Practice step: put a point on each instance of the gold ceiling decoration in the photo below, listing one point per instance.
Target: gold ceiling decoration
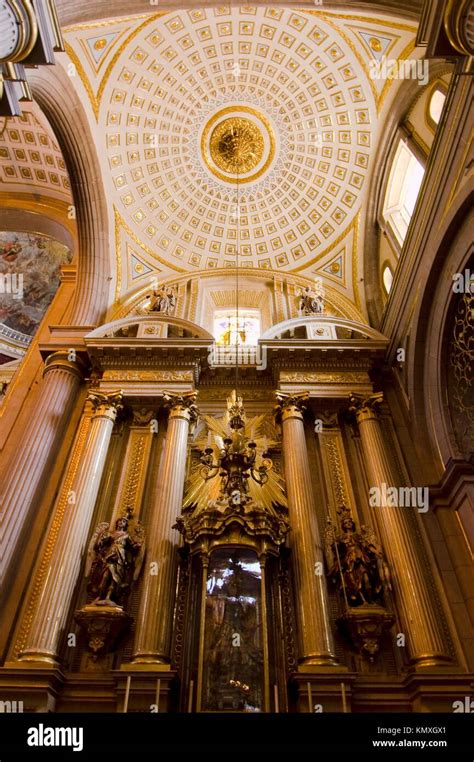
(238, 144)
(186, 98)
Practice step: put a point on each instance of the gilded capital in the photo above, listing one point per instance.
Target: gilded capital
(364, 407)
(290, 405)
(106, 404)
(182, 405)
(68, 360)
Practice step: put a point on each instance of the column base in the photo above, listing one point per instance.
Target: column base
(152, 667)
(31, 687)
(42, 658)
(152, 658)
(318, 660)
(431, 662)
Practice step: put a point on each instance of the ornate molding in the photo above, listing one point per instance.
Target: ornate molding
(217, 394)
(337, 472)
(181, 609)
(132, 494)
(102, 626)
(234, 519)
(297, 377)
(364, 628)
(288, 619)
(149, 375)
(459, 376)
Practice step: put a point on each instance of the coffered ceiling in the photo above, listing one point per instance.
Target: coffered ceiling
(253, 122)
(30, 158)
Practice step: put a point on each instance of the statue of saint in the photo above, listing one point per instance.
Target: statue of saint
(356, 562)
(114, 562)
(312, 299)
(163, 300)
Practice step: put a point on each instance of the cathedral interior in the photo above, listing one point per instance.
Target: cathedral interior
(236, 345)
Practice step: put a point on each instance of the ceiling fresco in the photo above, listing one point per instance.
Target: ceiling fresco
(30, 272)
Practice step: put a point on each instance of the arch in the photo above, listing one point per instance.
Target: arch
(427, 363)
(363, 331)
(402, 100)
(109, 329)
(93, 10)
(336, 300)
(62, 106)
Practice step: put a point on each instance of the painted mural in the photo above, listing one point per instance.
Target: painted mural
(29, 277)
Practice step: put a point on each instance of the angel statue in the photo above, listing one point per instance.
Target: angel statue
(312, 299)
(163, 300)
(114, 562)
(356, 562)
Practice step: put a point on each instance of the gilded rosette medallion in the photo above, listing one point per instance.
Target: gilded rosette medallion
(238, 144)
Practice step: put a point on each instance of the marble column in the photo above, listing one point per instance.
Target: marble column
(316, 645)
(61, 578)
(155, 616)
(36, 450)
(419, 613)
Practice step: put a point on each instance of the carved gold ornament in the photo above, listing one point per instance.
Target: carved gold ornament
(238, 144)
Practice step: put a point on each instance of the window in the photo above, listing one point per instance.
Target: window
(402, 191)
(387, 277)
(243, 330)
(436, 104)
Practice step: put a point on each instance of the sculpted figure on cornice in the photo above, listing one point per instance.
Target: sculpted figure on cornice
(311, 300)
(163, 300)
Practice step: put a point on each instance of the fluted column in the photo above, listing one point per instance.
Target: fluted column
(61, 577)
(316, 645)
(418, 612)
(36, 450)
(155, 616)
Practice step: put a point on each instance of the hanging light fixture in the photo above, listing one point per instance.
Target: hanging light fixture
(237, 459)
(236, 462)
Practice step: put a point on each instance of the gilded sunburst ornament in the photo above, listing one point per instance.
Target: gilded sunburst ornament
(236, 145)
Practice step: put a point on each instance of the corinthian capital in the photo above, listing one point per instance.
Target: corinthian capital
(104, 401)
(179, 404)
(362, 406)
(287, 403)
